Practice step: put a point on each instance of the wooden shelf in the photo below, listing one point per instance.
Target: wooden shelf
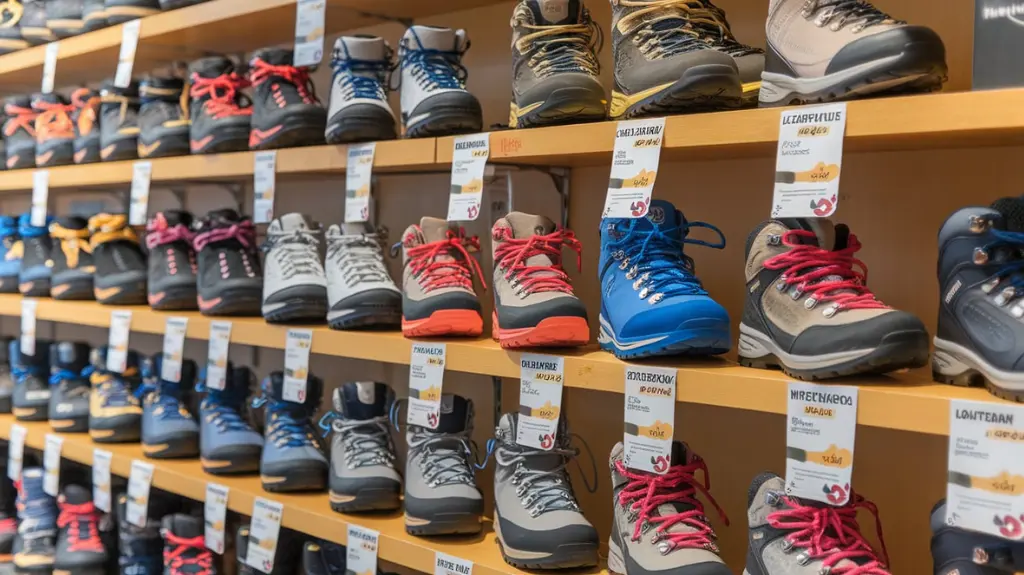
(907, 402)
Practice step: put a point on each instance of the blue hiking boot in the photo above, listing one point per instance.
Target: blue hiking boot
(69, 386)
(34, 546)
(31, 400)
(115, 415)
(959, 552)
(168, 428)
(228, 443)
(140, 548)
(11, 250)
(79, 548)
(292, 457)
(651, 301)
(34, 275)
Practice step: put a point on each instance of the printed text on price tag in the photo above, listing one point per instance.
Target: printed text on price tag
(139, 482)
(361, 554)
(217, 360)
(263, 534)
(263, 186)
(469, 162)
(809, 159)
(540, 400)
(358, 179)
(126, 59)
(28, 326)
(634, 168)
(296, 364)
(117, 343)
(174, 348)
(215, 512)
(51, 464)
(101, 480)
(650, 417)
(309, 32)
(426, 379)
(40, 197)
(16, 452)
(50, 66)
(142, 175)
(821, 428)
(445, 564)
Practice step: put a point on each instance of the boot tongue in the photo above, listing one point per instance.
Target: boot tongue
(356, 228)
(274, 56)
(823, 229)
(77, 495)
(361, 400)
(295, 221)
(225, 218)
(1012, 210)
(70, 356)
(525, 225)
(662, 216)
(275, 390)
(455, 414)
(362, 47)
(555, 12)
(434, 229)
(432, 38)
(211, 67)
(175, 217)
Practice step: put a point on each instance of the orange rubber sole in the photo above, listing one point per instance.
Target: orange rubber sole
(464, 322)
(562, 331)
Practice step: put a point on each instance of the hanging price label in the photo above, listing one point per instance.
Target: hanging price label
(117, 344)
(174, 348)
(263, 534)
(822, 426)
(358, 178)
(540, 400)
(101, 480)
(16, 452)
(264, 180)
(50, 66)
(142, 174)
(426, 378)
(126, 59)
(469, 162)
(296, 364)
(309, 31)
(445, 564)
(634, 168)
(217, 360)
(808, 162)
(650, 416)
(40, 197)
(215, 513)
(28, 326)
(51, 464)
(361, 551)
(139, 481)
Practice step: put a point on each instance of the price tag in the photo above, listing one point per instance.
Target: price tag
(808, 162)
(142, 175)
(215, 513)
(217, 361)
(650, 415)
(101, 480)
(40, 195)
(426, 378)
(16, 452)
(50, 66)
(985, 485)
(634, 168)
(296, 364)
(819, 441)
(28, 326)
(445, 564)
(263, 186)
(309, 31)
(469, 161)
(263, 534)
(51, 464)
(358, 176)
(361, 551)
(117, 344)
(126, 59)
(540, 399)
(139, 480)
(174, 348)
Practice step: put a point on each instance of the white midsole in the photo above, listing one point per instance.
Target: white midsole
(776, 87)
(952, 359)
(607, 334)
(754, 345)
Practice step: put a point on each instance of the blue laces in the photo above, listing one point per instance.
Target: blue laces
(27, 230)
(8, 228)
(654, 259)
(66, 374)
(288, 425)
(167, 396)
(23, 372)
(361, 86)
(442, 68)
(1011, 266)
(225, 407)
(115, 392)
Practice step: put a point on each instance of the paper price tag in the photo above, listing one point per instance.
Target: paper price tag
(634, 168)
(28, 326)
(358, 177)
(126, 59)
(361, 551)
(174, 348)
(139, 481)
(51, 464)
(426, 379)
(16, 452)
(101, 480)
(217, 361)
(50, 66)
(142, 175)
(40, 195)
(985, 485)
(445, 564)
(808, 162)
(650, 416)
(264, 181)
(822, 426)
(296, 364)
(469, 162)
(263, 534)
(120, 331)
(215, 511)
(540, 399)
(309, 31)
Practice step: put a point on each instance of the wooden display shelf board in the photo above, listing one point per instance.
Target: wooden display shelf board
(908, 402)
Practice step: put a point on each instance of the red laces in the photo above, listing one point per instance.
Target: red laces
(813, 270)
(513, 254)
(262, 71)
(8, 525)
(175, 559)
(72, 517)
(647, 491)
(19, 117)
(832, 535)
(446, 263)
(223, 91)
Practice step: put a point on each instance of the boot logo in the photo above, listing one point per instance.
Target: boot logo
(952, 291)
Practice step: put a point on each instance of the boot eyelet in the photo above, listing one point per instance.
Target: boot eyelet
(977, 224)
(810, 302)
(1004, 296)
(980, 256)
(644, 292)
(990, 285)
(830, 310)
(781, 284)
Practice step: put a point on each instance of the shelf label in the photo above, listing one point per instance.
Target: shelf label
(650, 417)
(101, 480)
(174, 348)
(264, 168)
(16, 451)
(217, 360)
(540, 399)
(469, 162)
(40, 197)
(215, 512)
(309, 31)
(445, 564)
(51, 464)
(296, 364)
(139, 481)
(28, 326)
(117, 344)
(142, 175)
(808, 161)
(426, 378)
(985, 485)
(361, 550)
(822, 426)
(50, 66)
(358, 178)
(635, 162)
(263, 534)
(126, 58)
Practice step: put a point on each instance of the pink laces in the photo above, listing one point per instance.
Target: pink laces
(244, 232)
(158, 233)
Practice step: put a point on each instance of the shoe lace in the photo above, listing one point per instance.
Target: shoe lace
(447, 458)
(223, 408)
(830, 276)
(110, 228)
(433, 69)
(72, 242)
(113, 390)
(832, 535)
(10, 13)
(82, 521)
(361, 78)
(446, 263)
(839, 13)
(366, 442)
(84, 101)
(158, 233)
(184, 552)
(360, 254)
(562, 48)
(646, 492)
(19, 117)
(542, 490)
(165, 396)
(1005, 249)
(66, 377)
(295, 251)
(261, 71)
(243, 232)
(21, 373)
(123, 102)
(288, 425)
(225, 94)
(512, 255)
(715, 23)
(26, 230)
(664, 28)
(54, 120)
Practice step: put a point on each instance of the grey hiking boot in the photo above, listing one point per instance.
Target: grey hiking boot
(790, 536)
(441, 496)
(119, 122)
(294, 281)
(537, 519)
(363, 475)
(659, 526)
(70, 389)
(163, 122)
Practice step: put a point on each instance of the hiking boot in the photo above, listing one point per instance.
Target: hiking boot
(6, 389)
(121, 11)
(8, 513)
(284, 563)
(71, 254)
(441, 496)
(363, 475)
(171, 276)
(64, 17)
(749, 60)
(230, 277)
(437, 281)
(120, 264)
(31, 398)
(286, 112)
(11, 250)
(141, 548)
(295, 285)
(554, 65)
(961, 552)
(658, 524)
(221, 115)
(360, 291)
(34, 275)
(34, 546)
(809, 310)
(537, 519)
(292, 458)
(33, 23)
(115, 415)
(359, 91)
(69, 387)
(534, 304)
(163, 125)
(79, 549)
(323, 558)
(55, 133)
(11, 40)
(86, 118)
(119, 122)
(94, 15)
(228, 443)
(20, 132)
(791, 535)
(185, 551)
(168, 429)
(434, 98)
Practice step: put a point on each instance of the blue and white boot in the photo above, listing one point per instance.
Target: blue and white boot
(359, 109)
(228, 443)
(168, 429)
(435, 101)
(292, 457)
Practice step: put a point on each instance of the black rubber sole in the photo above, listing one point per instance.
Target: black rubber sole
(87, 154)
(243, 463)
(5, 404)
(130, 294)
(565, 106)
(292, 135)
(221, 141)
(448, 121)
(164, 147)
(701, 89)
(179, 298)
(570, 556)
(366, 500)
(127, 149)
(125, 434)
(59, 155)
(974, 378)
(9, 284)
(69, 425)
(347, 130)
(898, 350)
(299, 478)
(72, 290)
(176, 448)
(31, 412)
(298, 310)
(21, 160)
(444, 524)
(247, 302)
(35, 288)
(368, 319)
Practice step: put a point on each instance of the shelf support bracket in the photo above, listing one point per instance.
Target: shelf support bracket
(496, 386)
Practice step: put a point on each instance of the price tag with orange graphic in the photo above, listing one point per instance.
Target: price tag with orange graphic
(49, 67)
(263, 186)
(16, 452)
(138, 209)
(28, 326)
(985, 483)
(101, 479)
(139, 481)
(426, 379)
(808, 162)
(51, 464)
(40, 197)
(361, 550)
(469, 163)
(822, 426)
(445, 564)
(263, 534)
(117, 341)
(650, 415)
(540, 399)
(358, 178)
(126, 58)
(296, 364)
(215, 511)
(634, 168)
(309, 31)
(217, 359)
(174, 348)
